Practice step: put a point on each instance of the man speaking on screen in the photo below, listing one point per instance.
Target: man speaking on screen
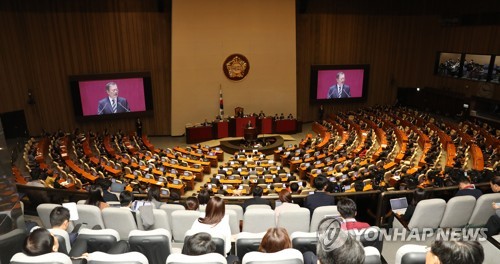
(339, 90)
(112, 104)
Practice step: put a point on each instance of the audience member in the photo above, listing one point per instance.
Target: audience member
(106, 194)
(493, 224)
(95, 197)
(192, 203)
(320, 197)
(199, 244)
(59, 219)
(348, 210)
(40, 242)
(275, 239)
(257, 198)
(286, 203)
(215, 221)
(154, 196)
(455, 252)
(466, 188)
(126, 199)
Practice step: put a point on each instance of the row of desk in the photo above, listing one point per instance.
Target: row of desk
(235, 128)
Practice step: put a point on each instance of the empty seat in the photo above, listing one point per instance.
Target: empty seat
(182, 220)
(11, 243)
(369, 237)
(458, 211)
(160, 220)
(154, 244)
(63, 238)
(119, 219)
(125, 258)
(247, 242)
(258, 220)
(89, 216)
(258, 206)
(49, 258)
(210, 258)
(295, 220)
(483, 209)
(320, 213)
(95, 240)
(411, 254)
(237, 208)
(285, 256)
(428, 214)
(234, 223)
(372, 256)
(169, 208)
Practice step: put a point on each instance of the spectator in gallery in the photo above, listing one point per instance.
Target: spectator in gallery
(275, 239)
(466, 188)
(319, 197)
(348, 210)
(96, 197)
(257, 198)
(455, 252)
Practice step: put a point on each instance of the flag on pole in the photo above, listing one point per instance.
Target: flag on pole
(221, 103)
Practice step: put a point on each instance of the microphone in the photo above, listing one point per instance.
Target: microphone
(348, 95)
(102, 110)
(126, 109)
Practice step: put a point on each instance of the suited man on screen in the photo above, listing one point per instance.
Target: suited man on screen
(112, 104)
(339, 90)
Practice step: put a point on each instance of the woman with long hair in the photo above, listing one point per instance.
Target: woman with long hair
(287, 204)
(96, 197)
(215, 221)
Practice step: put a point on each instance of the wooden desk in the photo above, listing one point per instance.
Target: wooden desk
(197, 172)
(79, 171)
(221, 129)
(237, 125)
(199, 134)
(285, 126)
(265, 125)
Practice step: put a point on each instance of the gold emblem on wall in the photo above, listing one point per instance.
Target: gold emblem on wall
(236, 67)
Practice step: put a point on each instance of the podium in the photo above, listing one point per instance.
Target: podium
(251, 133)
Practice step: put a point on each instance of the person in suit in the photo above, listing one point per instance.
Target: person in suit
(112, 104)
(466, 188)
(339, 90)
(320, 197)
(348, 210)
(257, 198)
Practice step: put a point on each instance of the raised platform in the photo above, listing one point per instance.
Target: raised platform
(264, 144)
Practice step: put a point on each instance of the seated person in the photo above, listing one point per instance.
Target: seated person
(40, 242)
(275, 239)
(348, 210)
(287, 204)
(455, 252)
(493, 224)
(126, 199)
(320, 197)
(96, 197)
(418, 195)
(466, 188)
(192, 203)
(199, 244)
(257, 198)
(59, 219)
(328, 252)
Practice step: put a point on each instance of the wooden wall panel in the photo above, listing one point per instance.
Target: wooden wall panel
(400, 49)
(46, 41)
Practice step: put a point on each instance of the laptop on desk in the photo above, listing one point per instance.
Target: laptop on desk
(399, 205)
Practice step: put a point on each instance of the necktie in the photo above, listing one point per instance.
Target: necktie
(113, 105)
(340, 91)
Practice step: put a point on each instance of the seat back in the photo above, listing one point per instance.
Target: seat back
(11, 243)
(285, 256)
(428, 214)
(119, 219)
(411, 254)
(154, 244)
(258, 220)
(210, 258)
(43, 211)
(89, 216)
(234, 223)
(372, 256)
(237, 208)
(304, 241)
(483, 209)
(296, 220)
(258, 206)
(125, 258)
(169, 208)
(458, 211)
(50, 258)
(63, 239)
(320, 213)
(182, 220)
(160, 218)
(97, 240)
(247, 242)
(369, 237)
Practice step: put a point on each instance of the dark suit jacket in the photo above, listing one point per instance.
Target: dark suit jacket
(474, 192)
(255, 200)
(318, 199)
(109, 197)
(104, 106)
(333, 92)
